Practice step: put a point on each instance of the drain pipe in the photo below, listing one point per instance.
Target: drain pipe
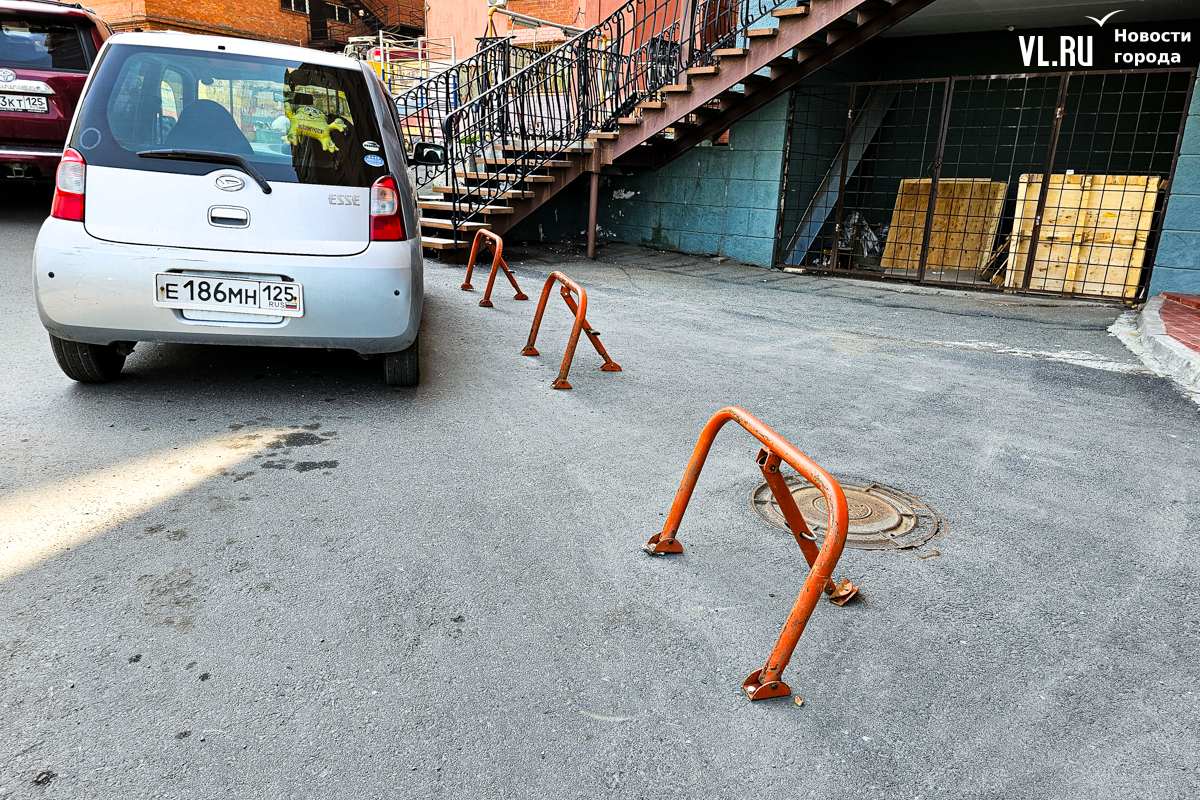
(593, 197)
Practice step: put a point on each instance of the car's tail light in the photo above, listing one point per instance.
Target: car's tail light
(68, 187)
(387, 224)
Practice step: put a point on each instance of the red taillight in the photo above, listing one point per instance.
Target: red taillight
(387, 224)
(68, 187)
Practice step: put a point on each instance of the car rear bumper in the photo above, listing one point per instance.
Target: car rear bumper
(44, 158)
(103, 292)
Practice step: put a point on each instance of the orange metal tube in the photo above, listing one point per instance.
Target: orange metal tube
(769, 462)
(767, 682)
(581, 325)
(496, 245)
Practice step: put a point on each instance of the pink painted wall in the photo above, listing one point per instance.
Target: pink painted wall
(599, 9)
(465, 20)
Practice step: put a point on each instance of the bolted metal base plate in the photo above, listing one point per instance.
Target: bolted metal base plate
(755, 689)
(881, 518)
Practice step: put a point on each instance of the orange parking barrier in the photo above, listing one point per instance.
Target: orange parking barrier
(768, 682)
(496, 245)
(581, 324)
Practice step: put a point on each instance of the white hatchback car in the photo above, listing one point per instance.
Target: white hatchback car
(224, 191)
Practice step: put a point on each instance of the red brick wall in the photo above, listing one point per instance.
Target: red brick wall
(250, 19)
(564, 12)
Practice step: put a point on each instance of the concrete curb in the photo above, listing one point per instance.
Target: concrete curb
(1158, 351)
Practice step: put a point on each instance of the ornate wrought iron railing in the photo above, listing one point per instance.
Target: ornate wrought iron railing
(721, 24)
(423, 107)
(514, 129)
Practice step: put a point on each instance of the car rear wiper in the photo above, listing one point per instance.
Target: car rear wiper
(211, 157)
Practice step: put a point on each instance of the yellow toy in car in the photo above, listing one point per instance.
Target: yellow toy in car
(311, 122)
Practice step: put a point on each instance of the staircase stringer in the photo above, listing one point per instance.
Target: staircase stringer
(580, 164)
(793, 32)
(786, 79)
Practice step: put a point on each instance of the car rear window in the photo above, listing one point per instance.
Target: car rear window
(52, 43)
(297, 122)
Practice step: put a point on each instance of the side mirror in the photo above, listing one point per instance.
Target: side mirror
(429, 154)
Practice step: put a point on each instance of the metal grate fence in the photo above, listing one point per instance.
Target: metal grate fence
(944, 181)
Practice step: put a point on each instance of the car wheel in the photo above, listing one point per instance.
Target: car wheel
(403, 368)
(88, 363)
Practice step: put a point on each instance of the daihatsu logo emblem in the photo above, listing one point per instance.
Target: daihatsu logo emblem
(7, 75)
(230, 183)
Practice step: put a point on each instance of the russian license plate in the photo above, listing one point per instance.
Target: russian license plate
(24, 102)
(209, 293)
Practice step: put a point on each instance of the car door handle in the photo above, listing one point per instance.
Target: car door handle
(228, 217)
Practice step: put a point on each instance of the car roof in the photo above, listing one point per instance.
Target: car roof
(48, 7)
(241, 47)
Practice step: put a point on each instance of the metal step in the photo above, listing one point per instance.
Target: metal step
(837, 30)
(798, 11)
(496, 176)
(755, 80)
(448, 224)
(437, 243)
(481, 191)
(504, 162)
(546, 148)
(444, 205)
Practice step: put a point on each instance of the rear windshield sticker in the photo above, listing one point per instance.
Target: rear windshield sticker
(374, 160)
(311, 122)
(371, 147)
(89, 138)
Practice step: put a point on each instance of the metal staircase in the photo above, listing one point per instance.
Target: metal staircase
(378, 15)
(366, 17)
(654, 79)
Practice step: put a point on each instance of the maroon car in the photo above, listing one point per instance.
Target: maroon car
(46, 50)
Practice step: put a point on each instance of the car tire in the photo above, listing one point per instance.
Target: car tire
(403, 368)
(87, 363)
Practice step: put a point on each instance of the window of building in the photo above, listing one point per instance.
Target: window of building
(335, 12)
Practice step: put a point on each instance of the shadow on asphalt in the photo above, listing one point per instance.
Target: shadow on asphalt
(248, 370)
(22, 201)
(242, 371)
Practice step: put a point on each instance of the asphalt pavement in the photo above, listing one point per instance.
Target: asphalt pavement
(242, 572)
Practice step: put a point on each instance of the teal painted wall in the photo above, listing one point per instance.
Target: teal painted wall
(717, 200)
(1177, 264)
(711, 200)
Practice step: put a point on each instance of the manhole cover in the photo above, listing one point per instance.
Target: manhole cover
(881, 518)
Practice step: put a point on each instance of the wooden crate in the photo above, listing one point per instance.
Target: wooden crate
(966, 217)
(1093, 237)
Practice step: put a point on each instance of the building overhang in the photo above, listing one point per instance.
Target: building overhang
(970, 16)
